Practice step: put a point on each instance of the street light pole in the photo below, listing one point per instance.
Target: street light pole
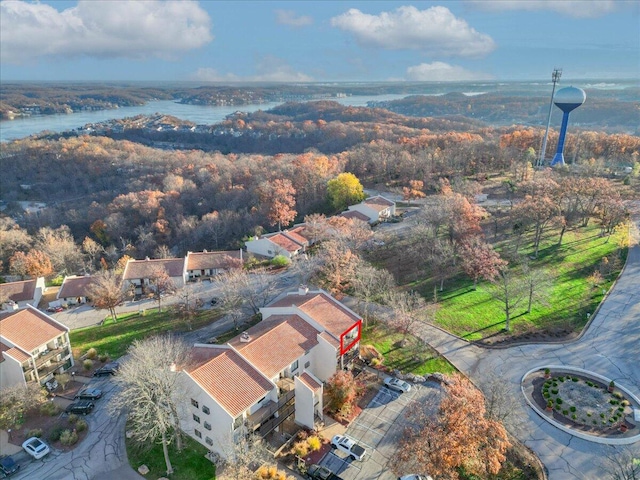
(555, 77)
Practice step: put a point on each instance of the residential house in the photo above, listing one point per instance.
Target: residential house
(288, 243)
(33, 347)
(376, 208)
(272, 372)
(75, 290)
(138, 274)
(16, 295)
(207, 264)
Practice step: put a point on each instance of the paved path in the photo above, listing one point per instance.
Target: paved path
(610, 346)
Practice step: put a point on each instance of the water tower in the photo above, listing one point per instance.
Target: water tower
(567, 99)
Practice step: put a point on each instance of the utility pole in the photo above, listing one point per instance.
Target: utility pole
(555, 77)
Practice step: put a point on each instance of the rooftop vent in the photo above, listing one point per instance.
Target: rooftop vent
(245, 338)
(303, 290)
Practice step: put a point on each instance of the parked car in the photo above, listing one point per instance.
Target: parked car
(214, 301)
(348, 446)
(8, 466)
(397, 385)
(318, 472)
(83, 406)
(108, 369)
(36, 447)
(415, 477)
(55, 309)
(89, 394)
(51, 385)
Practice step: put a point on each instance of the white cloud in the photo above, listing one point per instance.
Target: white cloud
(288, 17)
(435, 30)
(571, 8)
(102, 29)
(269, 69)
(443, 72)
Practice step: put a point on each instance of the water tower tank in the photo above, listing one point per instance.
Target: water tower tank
(567, 99)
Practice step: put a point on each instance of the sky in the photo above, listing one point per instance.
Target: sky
(318, 41)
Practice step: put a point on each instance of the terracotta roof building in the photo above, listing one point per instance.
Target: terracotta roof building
(139, 274)
(75, 289)
(207, 264)
(34, 347)
(15, 295)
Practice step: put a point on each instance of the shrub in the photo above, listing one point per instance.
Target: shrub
(574, 416)
(73, 418)
(573, 409)
(625, 403)
(546, 395)
(618, 395)
(54, 435)
(547, 371)
(49, 408)
(87, 364)
(81, 425)
(91, 353)
(302, 435)
(35, 432)
(588, 414)
(621, 409)
(574, 379)
(565, 412)
(68, 437)
(314, 443)
(301, 448)
(280, 261)
(559, 401)
(375, 362)
(554, 391)
(561, 379)
(104, 357)
(602, 415)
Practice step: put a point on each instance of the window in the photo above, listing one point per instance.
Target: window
(294, 366)
(209, 441)
(207, 425)
(205, 409)
(198, 433)
(196, 418)
(307, 364)
(194, 403)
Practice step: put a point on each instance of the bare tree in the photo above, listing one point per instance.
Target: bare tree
(509, 289)
(150, 391)
(243, 455)
(161, 285)
(622, 464)
(106, 291)
(370, 283)
(240, 289)
(18, 399)
(408, 309)
(188, 306)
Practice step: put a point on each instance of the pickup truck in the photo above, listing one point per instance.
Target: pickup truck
(348, 446)
(318, 472)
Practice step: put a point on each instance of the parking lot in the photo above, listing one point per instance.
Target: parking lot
(378, 429)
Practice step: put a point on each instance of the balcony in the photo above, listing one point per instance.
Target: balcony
(284, 406)
(51, 354)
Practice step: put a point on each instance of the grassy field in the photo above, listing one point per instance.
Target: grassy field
(189, 464)
(414, 357)
(569, 296)
(115, 337)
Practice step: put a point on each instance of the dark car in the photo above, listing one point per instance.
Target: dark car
(108, 369)
(83, 406)
(89, 394)
(8, 466)
(317, 472)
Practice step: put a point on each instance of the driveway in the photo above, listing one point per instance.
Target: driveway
(100, 455)
(378, 429)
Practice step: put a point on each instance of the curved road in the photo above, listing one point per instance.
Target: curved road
(610, 346)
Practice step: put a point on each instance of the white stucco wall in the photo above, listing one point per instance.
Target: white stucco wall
(304, 404)
(265, 247)
(11, 372)
(365, 210)
(323, 360)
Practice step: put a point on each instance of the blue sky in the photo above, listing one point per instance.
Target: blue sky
(318, 41)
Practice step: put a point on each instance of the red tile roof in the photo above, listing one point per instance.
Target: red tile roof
(18, 291)
(332, 340)
(17, 353)
(75, 286)
(145, 268)
(285, 242)
(210, 260)
(296, 237)
(355, 215)
(310, 382)
(228, 378)
(288, 335)
(379, 200)
(324, 309)
(29, 328)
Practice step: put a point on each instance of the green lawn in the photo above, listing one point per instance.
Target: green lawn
(569, 297)
(189, 464)
(115, 337)
(414, 357)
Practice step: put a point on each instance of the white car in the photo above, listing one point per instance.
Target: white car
(36, 447)
(348, 446)
(397, 385)
(415, 477)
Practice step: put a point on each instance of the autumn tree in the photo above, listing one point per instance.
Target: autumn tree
(34, 264)
(161, 285)
(369, 284)
(243, 455)
(344, 190)
(479, 260)
(58, 244)
(151, 392)
(279, 201)
(107, 292)
(413, 191)
(337, 265)
(92, 250)
(17, 400)
(455, 434)
(536, 212)
(342, 391)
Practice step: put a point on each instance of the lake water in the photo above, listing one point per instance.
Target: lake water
(22, 127)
